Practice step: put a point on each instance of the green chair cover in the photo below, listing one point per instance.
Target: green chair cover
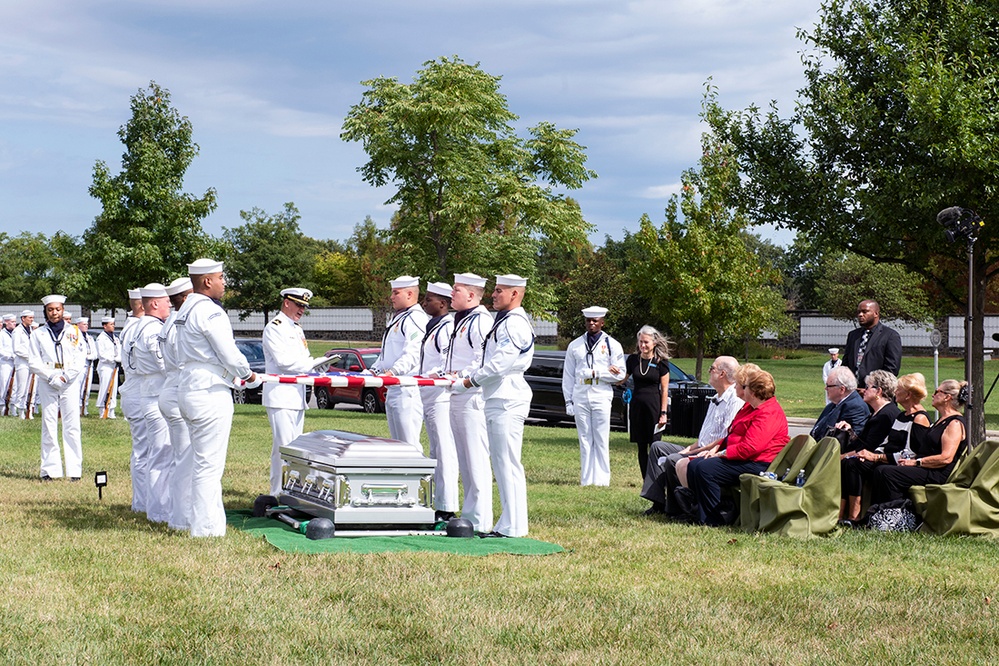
(969, 502)
(787, 464)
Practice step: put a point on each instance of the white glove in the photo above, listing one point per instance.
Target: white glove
(322, 360)
(58, 382)
(366, 372)
(254, 383)
(569, 409)
(459, 386)
(586, 373)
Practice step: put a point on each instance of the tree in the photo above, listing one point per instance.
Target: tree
(700, 275)
(849, 279)
(600, 280)
(472, 195)
(30, 267)
(897, 121)
(148, 230)
(267, 253)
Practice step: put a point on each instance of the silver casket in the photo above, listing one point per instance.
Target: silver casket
(355, 479)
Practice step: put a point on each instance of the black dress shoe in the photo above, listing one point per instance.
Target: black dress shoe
(656, 509)
(74, 479)
(46, 478)
(685, 499)
(443, 516)
(492, 535)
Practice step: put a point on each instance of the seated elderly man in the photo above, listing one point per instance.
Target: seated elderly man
(660, 476)
(757, 435)
(845, 404)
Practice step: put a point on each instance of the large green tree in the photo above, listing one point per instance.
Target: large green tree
(266, 254)
(700, 274)
(31, 266)
(896, 122)
(148, 229)
(472, 195)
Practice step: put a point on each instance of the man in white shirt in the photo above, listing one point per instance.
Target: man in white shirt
(400, 356)
(108, 359)
(211, 364)
(7, 365)
(508, 352)
(660, 478)
(56, 357)
(834, 362)
(286, 352)
(594, 362)
(436, 400)
(131, 407)
(169, 403)
(472, 322)
(86, 383)
(22, 373)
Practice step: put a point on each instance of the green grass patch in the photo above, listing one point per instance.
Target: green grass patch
(88, 581)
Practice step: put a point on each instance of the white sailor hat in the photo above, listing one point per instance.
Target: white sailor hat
(27, 313)
(510, 280)
(9, 317)
(594, 312)
(82, 320)
(107, 320)
(204, 267)
(404, 281)
(471, 279)
(153, 290)
(134, 294)
(179, 286)
(297, 295)
(439, 288)
(834, 350)
(53, 298)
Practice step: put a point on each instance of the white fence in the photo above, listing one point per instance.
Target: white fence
(826, 331)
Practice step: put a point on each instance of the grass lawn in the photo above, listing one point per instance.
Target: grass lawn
(88, 581)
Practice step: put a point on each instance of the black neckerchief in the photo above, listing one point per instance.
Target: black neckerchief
(591, 343)
(57, 327)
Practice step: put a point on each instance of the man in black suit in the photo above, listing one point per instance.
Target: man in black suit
(845, 404)
(873, 346)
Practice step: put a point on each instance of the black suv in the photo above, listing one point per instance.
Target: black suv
(545, 379)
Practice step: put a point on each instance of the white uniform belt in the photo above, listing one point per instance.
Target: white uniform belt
(217, 370)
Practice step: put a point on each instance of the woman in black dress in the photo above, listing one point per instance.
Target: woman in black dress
(649, 367)
(937, 448)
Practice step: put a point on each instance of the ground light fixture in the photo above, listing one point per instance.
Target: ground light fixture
(100, 480)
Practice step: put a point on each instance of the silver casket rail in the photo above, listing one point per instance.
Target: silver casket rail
(358, 480)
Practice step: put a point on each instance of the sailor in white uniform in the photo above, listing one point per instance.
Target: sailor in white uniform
(131, 407)
(108, 358)
(22, 374)
(211, 364)
(436, 400)
(472, 322)
(7, 365)
(83, 323)
(146, 366)
(169, 402)
(286, 352)
(56, 357)
(507, 354)
(594, 362)
(400, 356)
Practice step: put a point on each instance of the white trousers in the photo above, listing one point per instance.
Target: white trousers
(208, 413)
(159, 461)
(6, 381)
(286, 425)
(593, 428)
(468, 424)
(54, 402)
(85, 384)
(22, 377)
(131, 408)
(404, 411)
(107, 374)
(437, 419)
(505, 427)
(180, 445)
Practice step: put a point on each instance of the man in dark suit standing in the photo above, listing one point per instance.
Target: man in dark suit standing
(873, 346)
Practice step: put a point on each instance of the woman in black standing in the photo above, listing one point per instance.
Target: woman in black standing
(649, 368)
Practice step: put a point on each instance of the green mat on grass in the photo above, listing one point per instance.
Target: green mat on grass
(285, 539)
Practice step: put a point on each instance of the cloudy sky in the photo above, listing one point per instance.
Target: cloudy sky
(267, 85)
